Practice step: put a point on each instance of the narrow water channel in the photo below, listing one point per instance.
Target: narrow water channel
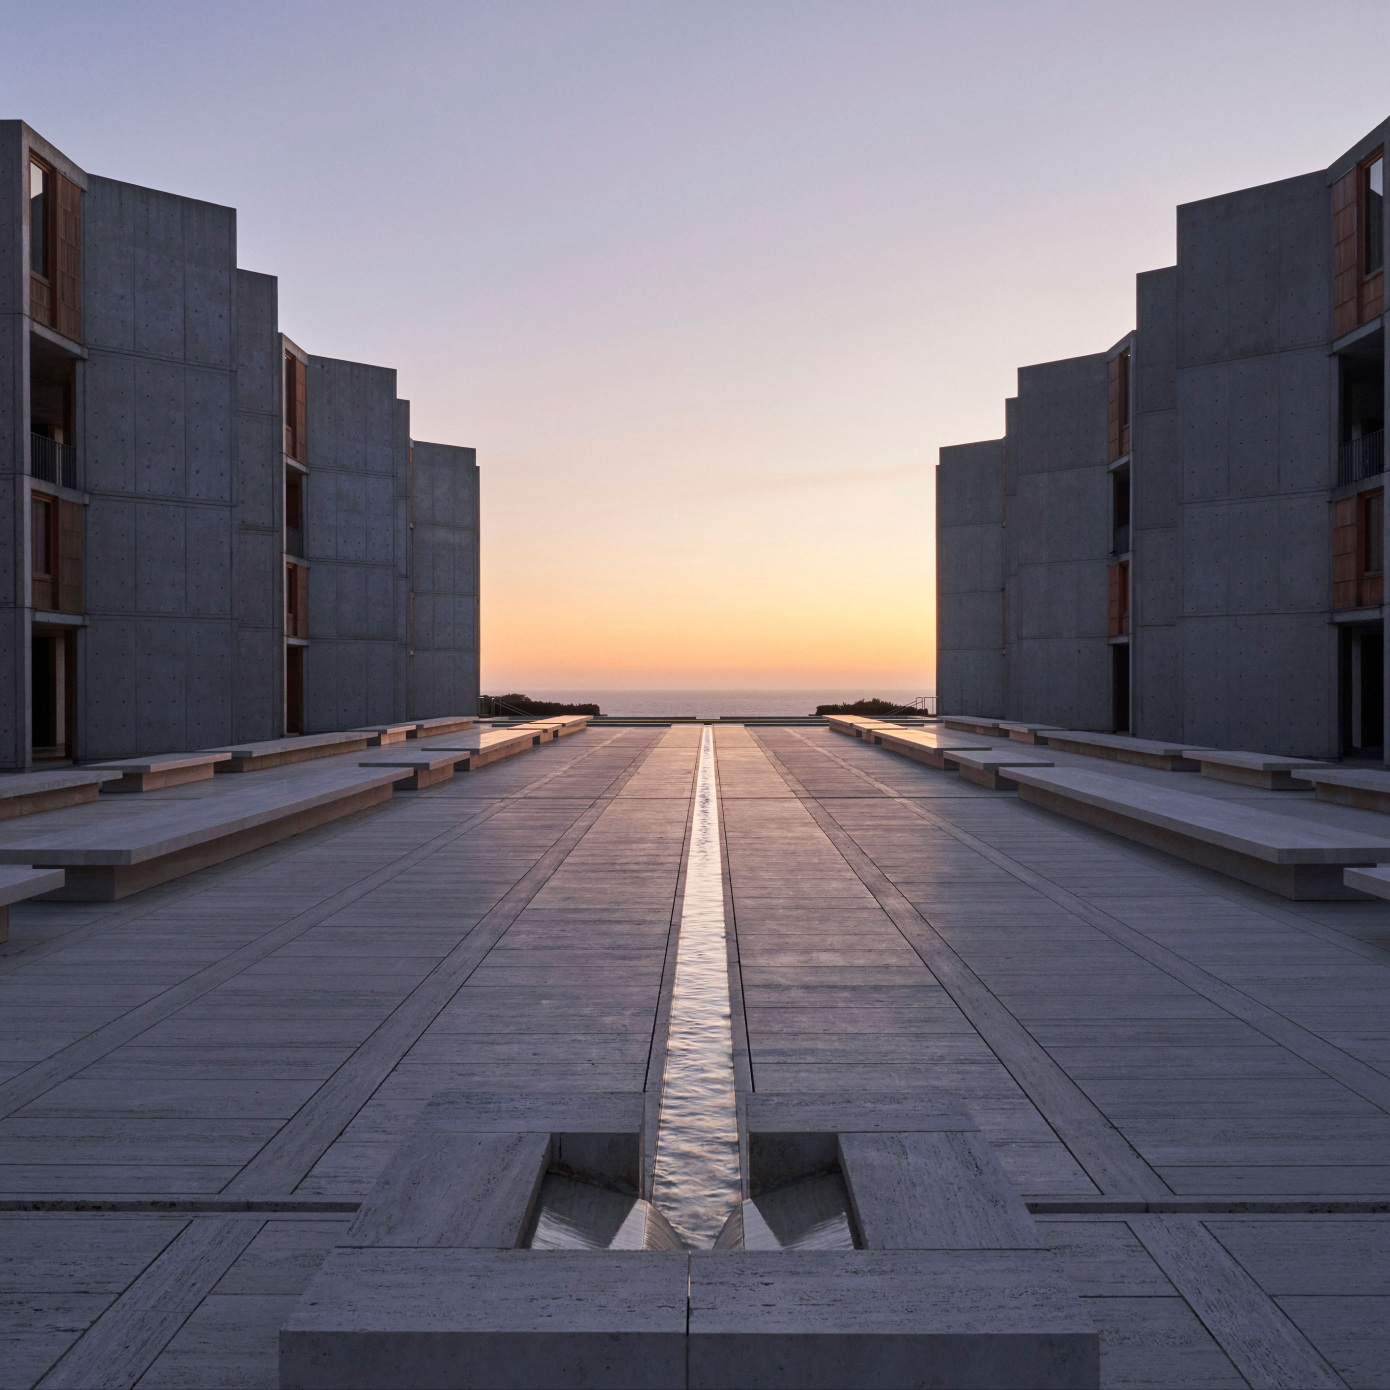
(696, 1178)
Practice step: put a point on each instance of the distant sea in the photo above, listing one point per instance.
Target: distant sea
(704, 704)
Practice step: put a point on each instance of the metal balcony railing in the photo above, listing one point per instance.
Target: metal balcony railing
(51, 461)
(1361, 458)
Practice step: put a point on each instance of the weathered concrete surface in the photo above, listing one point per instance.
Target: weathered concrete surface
(1124, 1028)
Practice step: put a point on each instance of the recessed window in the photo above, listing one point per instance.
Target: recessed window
(1373, 534)
(1374, 193)
(41, 536)
(38, 218)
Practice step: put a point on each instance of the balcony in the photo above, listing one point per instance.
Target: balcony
(1361, 458)
(52, 462)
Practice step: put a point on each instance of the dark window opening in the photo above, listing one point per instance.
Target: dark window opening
(294, 511)
(1373, 534)
(294, 690)
(1362, 425)
(39, 203)
(294, 408)
(1373, 199)
(1119, 405)
(51, 695)
(1361, 690)
(1119, 686)
(1119, 503)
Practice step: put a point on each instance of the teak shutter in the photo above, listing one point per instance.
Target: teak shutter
(67, 274)
(43, 540)
(1344, 553)
(1346, 263)
(302, 581)
(70, 556)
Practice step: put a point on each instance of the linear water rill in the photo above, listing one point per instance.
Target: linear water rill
(696, 1182)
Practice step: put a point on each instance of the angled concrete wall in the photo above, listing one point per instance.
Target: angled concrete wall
(444, 569)
(258, 587)
(1058, 512)
(1255, 438)
(160, 433)
(970, 665)
(1155, 485)
(354, 528)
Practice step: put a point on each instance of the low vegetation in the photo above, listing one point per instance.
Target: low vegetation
(865, 707)
(502, 706)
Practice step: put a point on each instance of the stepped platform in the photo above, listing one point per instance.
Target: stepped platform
(1295, 858)
(17, 884)
(1266, 770)
(1120, 748)
(119, 855)
(31, 793)
(284, 752)
(154, 774)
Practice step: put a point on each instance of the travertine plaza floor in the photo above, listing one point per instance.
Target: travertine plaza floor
(201, 1081)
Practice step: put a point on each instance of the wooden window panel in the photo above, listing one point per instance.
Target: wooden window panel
(295, 412)
(43, 551)
(1344, 576)
(67, 308)
(1372, 300)
(70, 522)
(302, 576)
(1346, 258)
(301, 433)
(40, 301)
(1370, 549)
(1114, 410)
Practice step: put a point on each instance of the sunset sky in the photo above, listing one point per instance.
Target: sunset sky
(706, 284)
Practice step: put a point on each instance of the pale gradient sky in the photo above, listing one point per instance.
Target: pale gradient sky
(706, 284)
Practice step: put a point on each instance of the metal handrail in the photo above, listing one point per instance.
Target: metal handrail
(1361, 458)
(52, 462)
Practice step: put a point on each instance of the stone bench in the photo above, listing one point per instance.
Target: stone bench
(434, 1283)
(382, 735)
(281, 752)
(1120, 748)
(1376, 882)
(119, 855)
(484, 745)
(445, 724)
(993, 769)
(1366, 788)
(968, 724)
(153, 774)
(20, 882)
(1026, 733)
(1267, 770)
(1284, 854)
(931, 746)
(30, 793)
(853, 724)
(424, 768)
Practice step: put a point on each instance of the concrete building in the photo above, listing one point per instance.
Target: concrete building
(1183, 535)
(209, 534)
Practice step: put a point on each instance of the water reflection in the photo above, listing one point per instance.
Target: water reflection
(696, 1179)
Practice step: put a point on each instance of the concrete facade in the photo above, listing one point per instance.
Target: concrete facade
(1209, 567)
(148, 593)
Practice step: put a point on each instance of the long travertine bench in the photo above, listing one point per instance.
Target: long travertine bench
(1284, 854)
(424, 767)
(1267, 770)
(1026, 733)
(1120, 748)
(281, 752)
(20, 882)
(968, 724)
(1366, 788)
(438, 1281)
(1376, 882)
(445, 724)
(30, 793)
(994, 768)
(120, 855)
(933, 747)
(383, 735)
(484, 745)
(855, 725)
(154, 774)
